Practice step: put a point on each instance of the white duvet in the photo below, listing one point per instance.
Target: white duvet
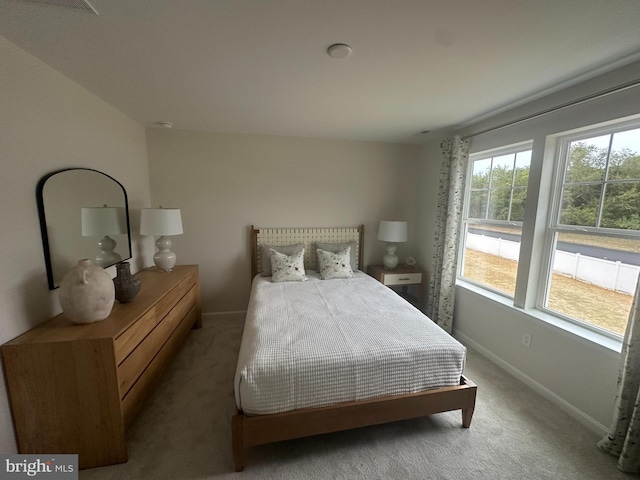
(321, 342)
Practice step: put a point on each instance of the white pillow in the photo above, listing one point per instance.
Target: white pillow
(287, 268)
(335, 265)
(338, 247)
(265, 256)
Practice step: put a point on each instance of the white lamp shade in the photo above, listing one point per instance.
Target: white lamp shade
(160, 221)
(390, 231)
(101, 221)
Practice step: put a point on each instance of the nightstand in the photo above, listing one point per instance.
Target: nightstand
(402, 275)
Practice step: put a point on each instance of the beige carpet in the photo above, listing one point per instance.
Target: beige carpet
(183, 432)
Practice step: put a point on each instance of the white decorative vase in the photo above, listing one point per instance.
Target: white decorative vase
(86, 293)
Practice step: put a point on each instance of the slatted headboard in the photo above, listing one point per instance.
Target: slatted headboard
(307, 236)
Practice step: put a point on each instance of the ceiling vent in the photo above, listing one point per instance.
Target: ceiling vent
(78, 5)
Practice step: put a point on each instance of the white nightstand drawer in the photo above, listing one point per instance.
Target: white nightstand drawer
(402, 278)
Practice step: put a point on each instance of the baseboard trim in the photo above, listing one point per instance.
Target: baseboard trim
(212, 315)
(565, 406)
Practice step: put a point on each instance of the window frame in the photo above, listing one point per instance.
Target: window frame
(465, 221)
(553, 226)
(543, 205)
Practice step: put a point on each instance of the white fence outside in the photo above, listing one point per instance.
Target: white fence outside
(617, 276)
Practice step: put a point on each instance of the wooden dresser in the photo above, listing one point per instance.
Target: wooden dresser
(76, 388)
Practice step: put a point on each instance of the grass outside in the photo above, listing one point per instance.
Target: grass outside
(584, 301)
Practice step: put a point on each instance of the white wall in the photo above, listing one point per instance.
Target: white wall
(47, 122)
(226, 182)
(578, 374)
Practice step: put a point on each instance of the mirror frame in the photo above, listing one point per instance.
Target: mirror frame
(43, 219)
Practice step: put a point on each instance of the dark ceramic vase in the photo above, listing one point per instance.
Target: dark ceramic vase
(127, 285)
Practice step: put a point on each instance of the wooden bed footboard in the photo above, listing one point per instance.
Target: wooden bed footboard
(247, 431)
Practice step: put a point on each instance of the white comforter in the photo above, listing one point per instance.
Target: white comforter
(321, 342)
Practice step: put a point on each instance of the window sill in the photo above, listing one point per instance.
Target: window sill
(591, 336)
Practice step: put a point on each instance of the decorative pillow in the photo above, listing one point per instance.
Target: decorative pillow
(265, 255)
(338, 247)
(335, 265)
(287, 268)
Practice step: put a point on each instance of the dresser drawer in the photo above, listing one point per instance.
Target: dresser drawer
(132, 367)
(132, 337)
(174, 296)
(402, 278)
(134, 399)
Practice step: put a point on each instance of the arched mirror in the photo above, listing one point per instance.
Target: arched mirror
(83, 214)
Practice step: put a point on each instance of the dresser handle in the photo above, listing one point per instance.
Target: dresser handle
(404, 279)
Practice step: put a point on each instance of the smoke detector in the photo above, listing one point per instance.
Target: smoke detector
(339, 50)
(164, 124)
(78, 5)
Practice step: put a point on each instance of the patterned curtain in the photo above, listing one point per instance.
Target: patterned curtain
(623, 439)
(455, 154)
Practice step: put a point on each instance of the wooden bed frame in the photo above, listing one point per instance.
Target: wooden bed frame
(251, 430)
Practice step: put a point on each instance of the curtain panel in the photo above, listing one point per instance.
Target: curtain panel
(623, 439)
(453, 166)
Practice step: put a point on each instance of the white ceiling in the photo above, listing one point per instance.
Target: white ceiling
(260, 66)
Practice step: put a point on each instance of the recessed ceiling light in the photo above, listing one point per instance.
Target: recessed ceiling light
(339, 50)
(164, 124)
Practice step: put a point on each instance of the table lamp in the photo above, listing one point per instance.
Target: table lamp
(163, 222)
(102, 222)
(391, 232)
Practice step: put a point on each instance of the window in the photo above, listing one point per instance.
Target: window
(494, 211)
(590, 235)
(594, 231)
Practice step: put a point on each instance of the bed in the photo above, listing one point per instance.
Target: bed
(320, 356)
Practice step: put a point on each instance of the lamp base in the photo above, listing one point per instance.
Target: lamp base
(107, 256)
(164, 259)
(390, 259)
